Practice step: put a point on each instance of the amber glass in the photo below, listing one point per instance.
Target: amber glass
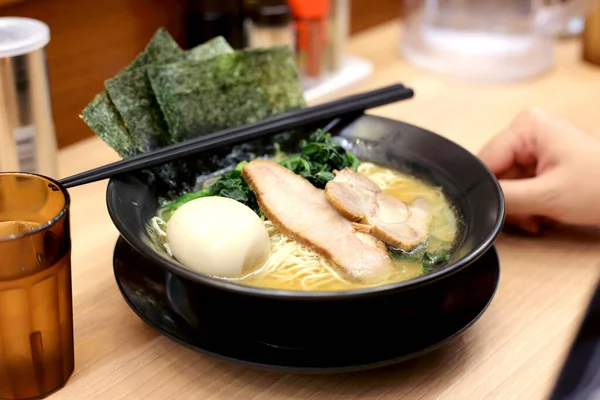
(36, 312)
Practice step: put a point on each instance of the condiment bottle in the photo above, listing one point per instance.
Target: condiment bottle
(207, 19)
(269, 23)
(591, 37)
(27, 137)
(339, 22)
(311, 19)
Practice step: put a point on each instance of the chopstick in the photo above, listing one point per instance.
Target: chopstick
(288, 121)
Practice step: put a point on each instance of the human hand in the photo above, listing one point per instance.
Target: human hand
(548, 169)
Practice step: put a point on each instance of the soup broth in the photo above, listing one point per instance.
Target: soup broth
(293, 266)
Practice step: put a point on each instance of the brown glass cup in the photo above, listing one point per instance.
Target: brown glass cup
(36, 308)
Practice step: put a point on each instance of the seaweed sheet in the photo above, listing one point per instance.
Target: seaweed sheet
(133, 97)
(102, 115)
(131, 94)
(229, 90)
(161, 48)
(214, 47)
(103, 118)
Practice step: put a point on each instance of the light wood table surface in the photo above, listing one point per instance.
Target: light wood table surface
(513, 352)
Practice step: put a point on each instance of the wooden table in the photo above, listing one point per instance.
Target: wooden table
(513, 352)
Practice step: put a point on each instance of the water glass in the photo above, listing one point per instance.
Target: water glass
(491, 40)
(36, 312)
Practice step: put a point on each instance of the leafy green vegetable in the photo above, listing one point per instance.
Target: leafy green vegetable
(230, 185)
(433, 260)
(229, 90)
(320, 156)
(428, 259)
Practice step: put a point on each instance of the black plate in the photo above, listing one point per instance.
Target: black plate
(160, 300)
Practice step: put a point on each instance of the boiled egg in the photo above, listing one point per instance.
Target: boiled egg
(218, 236)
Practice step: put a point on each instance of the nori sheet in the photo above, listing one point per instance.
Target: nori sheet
(133, 96)
(229, 90)
(102, 116)
(214, 47)
(161, 48)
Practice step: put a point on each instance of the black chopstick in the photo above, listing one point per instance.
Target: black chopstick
(281, 123)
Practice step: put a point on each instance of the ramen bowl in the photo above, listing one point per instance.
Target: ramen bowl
(334, 322)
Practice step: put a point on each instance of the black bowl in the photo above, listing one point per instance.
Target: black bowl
(303, 319)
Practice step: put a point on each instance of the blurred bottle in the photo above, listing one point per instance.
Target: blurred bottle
(563, 18)
(339, 26)
(209, 18)
(269, 23)
(312, 35)
(492, 40)
(591, 37)
(27, 137)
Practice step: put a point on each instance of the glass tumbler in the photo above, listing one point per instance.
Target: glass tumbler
(490, 41)
(36, 312)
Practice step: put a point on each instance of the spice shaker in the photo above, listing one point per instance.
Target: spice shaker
(207, 19)
(312, 35)
(27, 137)
(591, 37)
(269, 23)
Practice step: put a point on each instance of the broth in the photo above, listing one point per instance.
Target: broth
(292, 266)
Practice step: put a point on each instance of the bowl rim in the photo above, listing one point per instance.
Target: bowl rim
(485, 244)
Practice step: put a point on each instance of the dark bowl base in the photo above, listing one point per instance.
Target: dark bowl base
(385, 336)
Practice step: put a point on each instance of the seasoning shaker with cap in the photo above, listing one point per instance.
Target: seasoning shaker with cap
(269, 23)
(27, 136)
(207, 19)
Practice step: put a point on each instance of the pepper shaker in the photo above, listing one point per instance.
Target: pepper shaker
(27, 137)
(269, 23)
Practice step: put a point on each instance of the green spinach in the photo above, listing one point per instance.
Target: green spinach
(319, 156)
(230, 185)
(432, 260)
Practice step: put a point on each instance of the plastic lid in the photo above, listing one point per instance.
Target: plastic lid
(271, 13)
(19, 36)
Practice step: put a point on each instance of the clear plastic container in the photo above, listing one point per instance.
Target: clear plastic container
(491, 40)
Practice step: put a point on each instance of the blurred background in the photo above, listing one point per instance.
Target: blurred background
(92, 41)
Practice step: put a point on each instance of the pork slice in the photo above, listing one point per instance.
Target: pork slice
(390, 220)
(301, 212)
(356, 180)
(351, 203)
(353, 195)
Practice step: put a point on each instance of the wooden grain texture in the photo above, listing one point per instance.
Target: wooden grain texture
(90, 42)
(513, 352)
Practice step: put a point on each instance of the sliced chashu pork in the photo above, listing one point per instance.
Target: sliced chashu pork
(360, 200)
(301, 212)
